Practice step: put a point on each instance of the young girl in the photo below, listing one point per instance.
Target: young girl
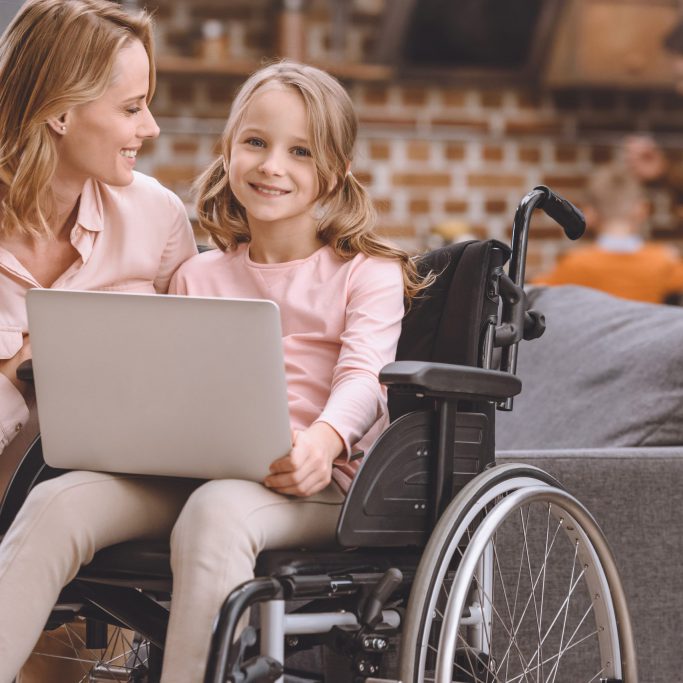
(294, 226)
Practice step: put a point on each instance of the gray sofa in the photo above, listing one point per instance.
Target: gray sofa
(602, 410)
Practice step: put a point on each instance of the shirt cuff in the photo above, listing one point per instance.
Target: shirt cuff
(14, 412)
(346, 455)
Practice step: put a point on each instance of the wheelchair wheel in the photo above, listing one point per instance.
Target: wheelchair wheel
(62, 653)
(523, 607)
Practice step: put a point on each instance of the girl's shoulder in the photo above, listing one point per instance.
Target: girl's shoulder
(207, 258)
(375, 266)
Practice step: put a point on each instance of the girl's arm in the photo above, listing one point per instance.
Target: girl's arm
(357, 400)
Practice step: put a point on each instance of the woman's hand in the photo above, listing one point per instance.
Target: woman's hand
(9, 366)
(307, 468)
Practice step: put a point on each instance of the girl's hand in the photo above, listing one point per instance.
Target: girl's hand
(307, 468)
(8, 367)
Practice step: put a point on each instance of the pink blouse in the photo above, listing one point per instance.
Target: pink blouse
(340, 325)
(130, 239)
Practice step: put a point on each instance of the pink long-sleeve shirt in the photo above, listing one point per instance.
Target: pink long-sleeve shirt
(340, 325)
(130, 239)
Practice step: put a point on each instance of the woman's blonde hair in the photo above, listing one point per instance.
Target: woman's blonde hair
(348, 216)
(54, 55)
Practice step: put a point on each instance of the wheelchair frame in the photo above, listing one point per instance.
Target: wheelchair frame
(439, 505)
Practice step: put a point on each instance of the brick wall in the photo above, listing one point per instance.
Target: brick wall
(428, 153)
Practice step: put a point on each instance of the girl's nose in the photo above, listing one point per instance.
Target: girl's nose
(271, 164)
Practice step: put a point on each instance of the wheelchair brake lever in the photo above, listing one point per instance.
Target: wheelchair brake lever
(372, 609)
(256, 669)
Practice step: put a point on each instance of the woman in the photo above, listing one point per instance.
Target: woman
(76, 79)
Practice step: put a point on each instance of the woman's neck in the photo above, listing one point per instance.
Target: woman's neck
(67, 197)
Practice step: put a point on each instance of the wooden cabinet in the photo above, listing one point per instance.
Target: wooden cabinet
(612, 43)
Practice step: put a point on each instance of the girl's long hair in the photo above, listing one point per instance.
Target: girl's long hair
(54, 55)
(347, 214)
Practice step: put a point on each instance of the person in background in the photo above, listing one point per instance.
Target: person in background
(644, 156)
(620, 262)
(76, 79)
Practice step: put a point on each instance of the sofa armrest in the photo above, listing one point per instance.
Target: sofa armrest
(450, 381)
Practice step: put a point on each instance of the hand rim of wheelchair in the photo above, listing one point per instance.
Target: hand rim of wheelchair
(593, 553)
(472, 500)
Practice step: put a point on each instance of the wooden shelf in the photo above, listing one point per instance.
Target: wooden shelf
(170, 64)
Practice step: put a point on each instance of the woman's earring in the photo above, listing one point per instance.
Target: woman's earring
(63, 129)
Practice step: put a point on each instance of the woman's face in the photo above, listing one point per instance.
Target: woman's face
(102, 137)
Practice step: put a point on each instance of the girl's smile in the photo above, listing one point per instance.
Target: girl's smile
(268, 190)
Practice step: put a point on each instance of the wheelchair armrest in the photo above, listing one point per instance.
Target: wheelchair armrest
(450, 381)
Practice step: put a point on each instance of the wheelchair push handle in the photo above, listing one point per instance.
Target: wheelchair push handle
(515, 324)
(562, 211)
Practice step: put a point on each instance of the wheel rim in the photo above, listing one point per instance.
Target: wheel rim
(475, 504)
(63, 650)
(530, 600)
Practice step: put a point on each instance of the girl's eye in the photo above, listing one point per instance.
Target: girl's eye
(255, 142)
(301, 152)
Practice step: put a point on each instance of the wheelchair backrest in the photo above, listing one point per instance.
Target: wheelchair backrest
(447, 323)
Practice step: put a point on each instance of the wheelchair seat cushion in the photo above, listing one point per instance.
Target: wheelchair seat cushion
(607, 373)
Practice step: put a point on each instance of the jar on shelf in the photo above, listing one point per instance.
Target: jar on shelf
(213, 45)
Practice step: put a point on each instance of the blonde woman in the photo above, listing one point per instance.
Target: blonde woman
(76, 78)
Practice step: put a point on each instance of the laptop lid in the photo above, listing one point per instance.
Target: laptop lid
(166, 385)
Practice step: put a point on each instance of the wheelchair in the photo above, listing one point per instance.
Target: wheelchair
(448, 567)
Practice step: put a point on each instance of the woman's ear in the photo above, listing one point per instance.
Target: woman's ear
(58, 123)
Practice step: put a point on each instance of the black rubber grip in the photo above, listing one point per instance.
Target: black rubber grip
(563, 212)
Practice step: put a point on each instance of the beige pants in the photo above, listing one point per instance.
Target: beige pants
(217, 529)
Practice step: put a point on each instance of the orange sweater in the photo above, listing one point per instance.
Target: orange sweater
(647, 274)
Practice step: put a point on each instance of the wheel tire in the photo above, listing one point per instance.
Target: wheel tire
(454, 528)
(536, 596)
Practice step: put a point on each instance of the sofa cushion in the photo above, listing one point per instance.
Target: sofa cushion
(607, 372)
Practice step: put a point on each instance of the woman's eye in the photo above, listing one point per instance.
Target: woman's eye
(133, 110)
(255, 142)
(301, 152)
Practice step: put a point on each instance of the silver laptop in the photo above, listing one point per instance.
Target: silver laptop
(166, 385)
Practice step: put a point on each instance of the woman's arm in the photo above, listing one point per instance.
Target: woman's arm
(13, 408)
(180, 246)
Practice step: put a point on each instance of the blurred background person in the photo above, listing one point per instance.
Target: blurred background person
(644, 156)
(620, 261)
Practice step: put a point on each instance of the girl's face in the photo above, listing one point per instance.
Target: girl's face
(102, 137)
(271, 171)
